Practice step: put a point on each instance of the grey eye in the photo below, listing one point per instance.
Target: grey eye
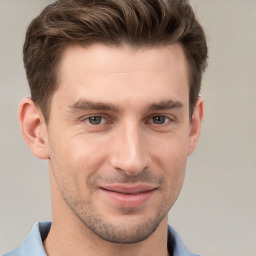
(159, 119)
(95, 120)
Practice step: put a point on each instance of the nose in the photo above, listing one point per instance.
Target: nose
(128, 150)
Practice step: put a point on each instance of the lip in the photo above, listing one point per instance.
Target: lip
(129, 196)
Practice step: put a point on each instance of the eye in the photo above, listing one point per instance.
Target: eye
(160, 119)
(96, 120)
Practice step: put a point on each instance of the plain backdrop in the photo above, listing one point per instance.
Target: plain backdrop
(216, 211)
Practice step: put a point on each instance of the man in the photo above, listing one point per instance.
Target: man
(115, 109)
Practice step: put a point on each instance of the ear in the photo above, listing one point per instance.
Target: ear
(195, 125)
(33, 128)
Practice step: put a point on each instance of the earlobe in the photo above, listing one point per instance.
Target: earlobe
(33, 128)
(195, 125)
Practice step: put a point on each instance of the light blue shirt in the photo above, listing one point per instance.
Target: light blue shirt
(33, 245)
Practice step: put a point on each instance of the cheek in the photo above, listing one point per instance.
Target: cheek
(174, 171)
(174, 168)
(169, 151)
(170, 159)
(73, 162)
(82, 155)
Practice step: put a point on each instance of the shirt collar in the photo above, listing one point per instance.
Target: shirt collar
(33, 245)
(176, 245)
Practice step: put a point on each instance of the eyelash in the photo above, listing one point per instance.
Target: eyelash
(104, 120)
(165, 121)
(87, 119)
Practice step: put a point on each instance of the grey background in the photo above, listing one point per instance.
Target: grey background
(216, 211)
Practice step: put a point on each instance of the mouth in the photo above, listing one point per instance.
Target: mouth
(128, 195)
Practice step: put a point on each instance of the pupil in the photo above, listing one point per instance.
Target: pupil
(95, 120)
(159, 119)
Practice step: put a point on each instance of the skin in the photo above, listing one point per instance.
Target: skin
(119, 116)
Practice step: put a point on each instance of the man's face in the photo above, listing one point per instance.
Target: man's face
(118, 137)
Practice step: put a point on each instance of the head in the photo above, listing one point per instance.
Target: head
(138, 23)
(115, 109)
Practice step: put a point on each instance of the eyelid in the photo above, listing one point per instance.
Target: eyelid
(166, 121)
(106, 118)
(171, 118)
(102, 121)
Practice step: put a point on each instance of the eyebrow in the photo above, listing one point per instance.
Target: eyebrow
(165, 105)
(84, 104)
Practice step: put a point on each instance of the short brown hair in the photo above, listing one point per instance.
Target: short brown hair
(114, 22)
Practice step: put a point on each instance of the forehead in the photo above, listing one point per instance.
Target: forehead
(125, 72)
(124, 58)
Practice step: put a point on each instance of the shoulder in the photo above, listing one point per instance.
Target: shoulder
(33, 243)
(176, 244)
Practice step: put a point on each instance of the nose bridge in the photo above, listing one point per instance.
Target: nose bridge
(129, 153)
